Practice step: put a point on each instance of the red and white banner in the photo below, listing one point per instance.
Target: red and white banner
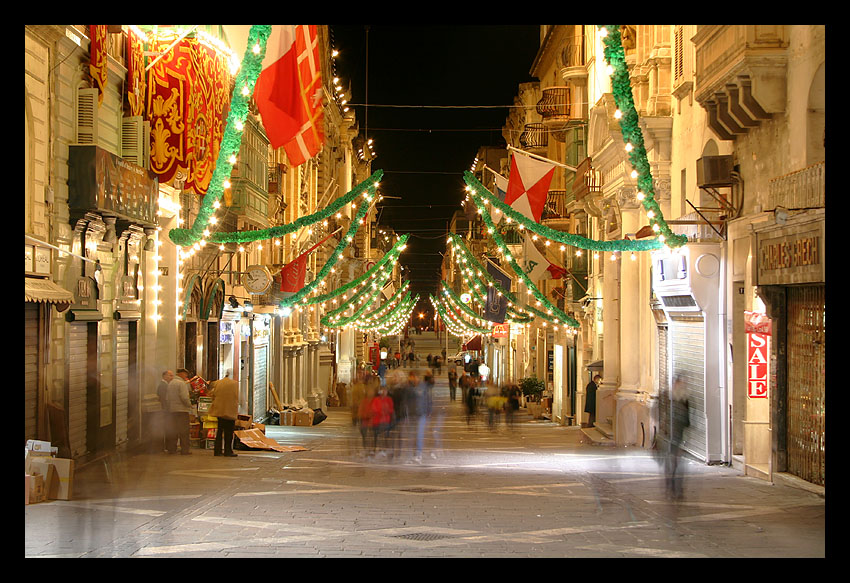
(288, 91)
(528, 186)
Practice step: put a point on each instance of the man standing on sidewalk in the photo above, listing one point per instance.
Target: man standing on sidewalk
(179, 407)
(225, 407)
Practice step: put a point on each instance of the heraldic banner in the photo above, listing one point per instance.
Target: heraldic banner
(188, 97)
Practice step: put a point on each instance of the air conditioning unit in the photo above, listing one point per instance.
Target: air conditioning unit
(715, 171)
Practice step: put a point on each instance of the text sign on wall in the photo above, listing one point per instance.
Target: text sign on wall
(792, 255)
(757, 365)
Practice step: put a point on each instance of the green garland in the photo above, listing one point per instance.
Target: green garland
(559, 315)
(391, 254)
(445, 315)
(481, 196)
(252, 64)
(335, 255)
(364, 188)
(621, 88)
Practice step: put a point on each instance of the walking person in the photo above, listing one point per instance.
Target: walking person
(161, 432)
(680, 419)
(382, 372)
(452, 382)
(225, 407)
(179, 407)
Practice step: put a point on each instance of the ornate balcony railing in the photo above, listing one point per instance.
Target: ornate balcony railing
(803, 189)
(554, 105)
(534, 137)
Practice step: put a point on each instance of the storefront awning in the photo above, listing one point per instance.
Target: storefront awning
(474, 344)
(44, 290)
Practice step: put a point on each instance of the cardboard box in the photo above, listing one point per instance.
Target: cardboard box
(254, 439)
(36, 489)
(65, 471)
(243, 422)
(287, 417)
(259, 426)
(50, 476)
(32, 455)
(210, 443)
(304, 417)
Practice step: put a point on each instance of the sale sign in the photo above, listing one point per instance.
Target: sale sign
(757, 365)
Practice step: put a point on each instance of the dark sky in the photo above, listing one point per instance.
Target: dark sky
(437, 65)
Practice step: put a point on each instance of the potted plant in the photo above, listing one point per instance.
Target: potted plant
(532, 388)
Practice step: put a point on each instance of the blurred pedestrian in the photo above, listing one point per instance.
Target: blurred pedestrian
(430, 360)
(179, 408)
(160, 439)
(471, 400)
(437, 363)
(365, 417)
(512, 393)
(382, 373)
(423, 404)
(225, 407)
(495, 403)
(452, 382)
(382, 412)
(680, 419)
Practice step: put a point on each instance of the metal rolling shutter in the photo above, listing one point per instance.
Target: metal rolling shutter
(663, 385)
(122, 377)
(260, 382)
(77, 365)
(806, 428)
(31, 371)
(687, 346)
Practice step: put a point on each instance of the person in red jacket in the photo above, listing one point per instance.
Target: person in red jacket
(382, 412)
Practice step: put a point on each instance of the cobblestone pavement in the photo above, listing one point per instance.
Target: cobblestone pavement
(534, 490)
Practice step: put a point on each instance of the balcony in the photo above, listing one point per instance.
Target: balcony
(554, 107)
(534, 138)
(588, 181)
(740, 75)
(803, 189)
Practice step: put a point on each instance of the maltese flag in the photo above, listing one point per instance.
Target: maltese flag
(528, 186)
(288, 92)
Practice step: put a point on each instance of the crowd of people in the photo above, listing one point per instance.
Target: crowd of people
(393, 413)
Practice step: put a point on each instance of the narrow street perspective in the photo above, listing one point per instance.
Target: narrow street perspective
(425, 291)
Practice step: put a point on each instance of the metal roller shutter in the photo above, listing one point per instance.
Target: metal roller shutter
(260, 382)
(806, 429)
(687, 345)
(663, 386)
(31, 371)
(122, 377)
(77, 386)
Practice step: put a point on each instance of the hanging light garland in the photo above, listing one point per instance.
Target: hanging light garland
(231, 141)
(628, 118)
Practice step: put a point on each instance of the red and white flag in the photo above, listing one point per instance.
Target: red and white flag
(528, 186)
(288, 91)
(292, 274)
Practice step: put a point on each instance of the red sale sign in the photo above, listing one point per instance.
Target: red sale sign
(757, 365)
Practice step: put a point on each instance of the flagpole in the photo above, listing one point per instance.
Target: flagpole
(542, 159)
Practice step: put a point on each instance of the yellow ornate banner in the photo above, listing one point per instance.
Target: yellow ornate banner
(188, 91)
(135, 74)
(98, 60)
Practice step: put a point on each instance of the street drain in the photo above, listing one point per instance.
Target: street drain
(422, 536)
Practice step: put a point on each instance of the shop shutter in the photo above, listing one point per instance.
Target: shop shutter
(687, 345)
(806, 425)
(122, 377)
(31, 372)
(260, 382)
(77, 386)
(663, 386)
(87, 123)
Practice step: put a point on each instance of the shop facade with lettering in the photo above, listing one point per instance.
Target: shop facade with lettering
(790, 278)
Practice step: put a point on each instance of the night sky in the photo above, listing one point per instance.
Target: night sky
(424, 151)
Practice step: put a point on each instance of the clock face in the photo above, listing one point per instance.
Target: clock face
(257, 279)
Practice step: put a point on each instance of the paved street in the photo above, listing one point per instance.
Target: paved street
(535, 490)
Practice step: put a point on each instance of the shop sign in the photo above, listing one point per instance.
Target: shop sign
(500, 330)
(793, 255)
(37, 260)
(757, 365)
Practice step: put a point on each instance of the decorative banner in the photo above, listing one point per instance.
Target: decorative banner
(186, 106)
(293, 273)
(135, 74)
(757, 365)
(528, 186)
(98, 64)
(497, 303)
